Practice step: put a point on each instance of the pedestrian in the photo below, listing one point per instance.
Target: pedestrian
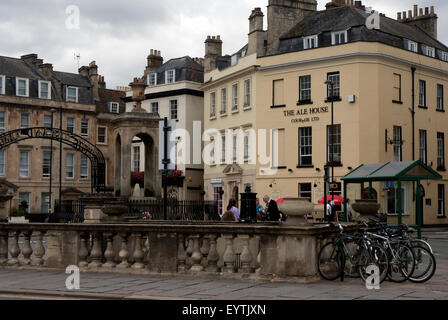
(328, 212)
(349, 210)
(232, 207)
(261, 214)
(272, 213)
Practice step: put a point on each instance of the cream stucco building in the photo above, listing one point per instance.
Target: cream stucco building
(389, 83)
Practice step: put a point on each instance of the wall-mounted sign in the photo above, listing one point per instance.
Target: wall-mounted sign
(305, 114)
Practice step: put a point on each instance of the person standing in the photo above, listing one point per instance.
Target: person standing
(272, 213)
(328, 212)
(261, 215)
(349, 210)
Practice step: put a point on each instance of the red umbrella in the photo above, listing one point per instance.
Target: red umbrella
(281, 200)
(338, 200)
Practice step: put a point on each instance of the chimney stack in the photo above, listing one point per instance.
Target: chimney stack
(101, 82)
(213, 50)
(425, 20)
(256, 33)
(155, 61)
(46, 69)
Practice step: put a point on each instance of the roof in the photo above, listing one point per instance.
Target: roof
(13, 67)
(410, 170)
(186, 70)
(72, 79)
(391, 32)
(108, 95)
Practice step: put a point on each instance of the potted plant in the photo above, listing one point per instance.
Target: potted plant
(17, 215)
(176, 178)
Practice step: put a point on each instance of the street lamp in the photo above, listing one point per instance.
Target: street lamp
(50, 198)
(331, 134)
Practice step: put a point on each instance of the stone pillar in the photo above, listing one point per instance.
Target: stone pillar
(27, 251)
(3, 247)
(83, 253)
(138, 252)
(54, 250)
(109, 254)
(15, 250)
(181, 254)
(213, 255)
(124, 253)
(96, 254)
(229, 254)
(196, 256)
(92, 209)
(125, 188)
(39, 250)
(246, 256)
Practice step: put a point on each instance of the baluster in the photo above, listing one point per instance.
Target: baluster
(246, 256)
(146, 249)
(3, 247)
(15, 250)
(213, 255)
(96, 254)
(83, 252)
(257, 263)
(196, 256)
(39, 250)
(181, 253)
(229, 254)
(205, 250)
(27, 251)
(109, 252)
(124, 253)
(138, 252)
(188, 260)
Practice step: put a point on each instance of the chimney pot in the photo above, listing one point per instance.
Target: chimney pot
(152, 51)
(399, 16)
(218, 37)
(410, 14)
(432, 10)
(404, 15)
(420, 13)
(415, 10)
(426, 11)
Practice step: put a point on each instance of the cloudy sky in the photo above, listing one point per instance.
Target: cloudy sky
(119, 34)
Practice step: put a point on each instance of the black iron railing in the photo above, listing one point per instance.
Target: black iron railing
(176, 210)
(68, 211)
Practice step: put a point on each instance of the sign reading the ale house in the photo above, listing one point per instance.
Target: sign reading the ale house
(305, 115)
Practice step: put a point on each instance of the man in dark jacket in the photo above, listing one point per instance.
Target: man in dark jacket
(272, 213)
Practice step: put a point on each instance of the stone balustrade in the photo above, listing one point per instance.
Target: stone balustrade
(259, 251)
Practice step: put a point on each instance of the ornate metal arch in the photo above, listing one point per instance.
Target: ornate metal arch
(78, 143)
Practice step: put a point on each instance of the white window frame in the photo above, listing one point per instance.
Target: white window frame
(48, 97)
(404, 196)
(136, 158)
(81, 175)
(234, 96)
(247, 93)
(98, 135)
(3, 167)
(66, 125)
(212, 151)
(27, 88)
(223, 100)
(412, 46)
(88, 128)
(46, 175)
(72, 166)
(430, 52)
(223, 148)
(67, 96)
(338, 34)
(307, 42)
(152, 76)
(28, 116)
(171, 109)
(444, 56)
(167, 72)
(246, 145)
(117, 105)
(3, 128)
(152, 107)
(212, 104)
(27, 165)
(3, 82)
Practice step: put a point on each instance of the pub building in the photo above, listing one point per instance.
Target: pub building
(386, 79)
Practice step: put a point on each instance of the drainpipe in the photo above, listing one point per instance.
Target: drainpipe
(413, 113)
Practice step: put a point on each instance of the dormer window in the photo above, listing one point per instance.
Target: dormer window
(339, 37)
(411, 46)
(44, 89)
(2, 84)
(430, 52)
(310, 42)
(170, 76)
(114, 107)
(22, 87)
(152, 79)
(444, 56)
(72, 94)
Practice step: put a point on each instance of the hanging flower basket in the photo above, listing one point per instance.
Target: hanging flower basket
(175, 179)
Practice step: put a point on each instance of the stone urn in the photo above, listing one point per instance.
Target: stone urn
(296, 209)
(114, 210)
(367, 208)
(138, 94)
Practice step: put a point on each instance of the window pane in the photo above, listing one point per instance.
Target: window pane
(305, 88)
(2, 121)
(71, 125)
(69, 162)
(25, 197)
(84, 172)
(305, 146)
(24, 164)
(173, 109)
(84, 127)
(46, 163)
(101, 135)
(334, 143)
(24, 120)
(223, 100)
(2, 162)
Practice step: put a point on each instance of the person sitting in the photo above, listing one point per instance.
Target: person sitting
(228, 216)
(272, 212)
(261, 215)
(232, 207)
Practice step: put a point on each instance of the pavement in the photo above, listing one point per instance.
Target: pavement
(30, 284)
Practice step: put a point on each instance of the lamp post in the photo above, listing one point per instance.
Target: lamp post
(53, 110)
(331, 134)
(60, 157)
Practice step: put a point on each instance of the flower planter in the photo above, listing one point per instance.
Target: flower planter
(114, 210)
(366, 208)
(296, 209)
(18, 220)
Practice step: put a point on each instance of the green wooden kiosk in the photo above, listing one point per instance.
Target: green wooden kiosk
(414, 171)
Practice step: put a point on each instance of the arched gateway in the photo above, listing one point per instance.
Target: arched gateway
(66, 137)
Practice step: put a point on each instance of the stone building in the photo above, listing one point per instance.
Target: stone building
(173, 91)
(32, 94)
(389, 88)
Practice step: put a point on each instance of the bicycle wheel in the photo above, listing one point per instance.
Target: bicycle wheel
(402, 265)
(420, 243)
(351, 267)
(330, 261)
(373, 255)
(425, 265)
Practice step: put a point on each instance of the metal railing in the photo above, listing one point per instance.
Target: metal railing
(185, 210)
(68, 211)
